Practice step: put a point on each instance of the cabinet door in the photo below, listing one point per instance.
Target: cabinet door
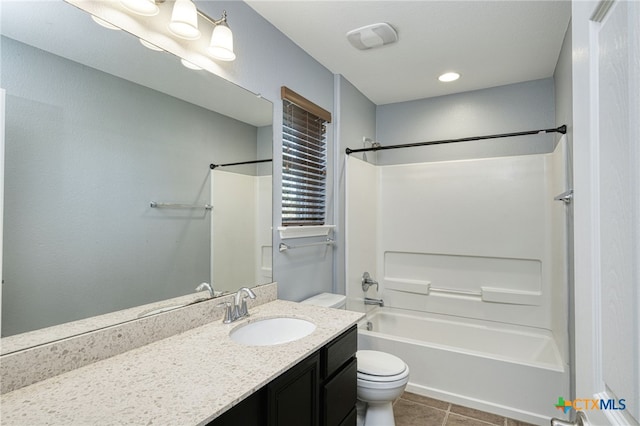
(351, 419)
(250, 412)
(339, 395)
(292, 399)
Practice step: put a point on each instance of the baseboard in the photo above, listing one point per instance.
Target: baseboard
(478, 404)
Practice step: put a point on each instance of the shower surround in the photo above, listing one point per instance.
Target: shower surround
(471, 260)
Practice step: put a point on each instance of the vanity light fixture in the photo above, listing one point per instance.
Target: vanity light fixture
(184, 20)
(449, 76)
(184, 24)
(221, 45)
(141, 7)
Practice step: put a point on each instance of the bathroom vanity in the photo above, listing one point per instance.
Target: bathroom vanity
(320, 390)
(202, 377)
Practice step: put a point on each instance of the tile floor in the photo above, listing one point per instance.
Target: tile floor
(415, 410)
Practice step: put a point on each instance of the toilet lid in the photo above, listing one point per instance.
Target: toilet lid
(375, 363)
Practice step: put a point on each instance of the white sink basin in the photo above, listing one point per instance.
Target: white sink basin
(271, 331)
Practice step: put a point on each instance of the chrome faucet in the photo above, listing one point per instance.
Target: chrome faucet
(372, 301)
(239, 308)
(367, 282)
(206, 286)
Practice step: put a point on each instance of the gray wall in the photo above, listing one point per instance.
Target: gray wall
(504, 109)
(85, 154)
(267, 60)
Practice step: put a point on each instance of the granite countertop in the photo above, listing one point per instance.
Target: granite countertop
(186, 379)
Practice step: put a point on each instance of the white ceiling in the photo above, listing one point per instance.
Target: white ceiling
(490, 43)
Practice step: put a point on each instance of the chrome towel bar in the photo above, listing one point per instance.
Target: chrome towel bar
(157, 205)
(285, 247)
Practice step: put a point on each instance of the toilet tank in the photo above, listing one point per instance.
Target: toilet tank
(327, 300)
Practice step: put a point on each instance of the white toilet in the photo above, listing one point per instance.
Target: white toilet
(382, 377)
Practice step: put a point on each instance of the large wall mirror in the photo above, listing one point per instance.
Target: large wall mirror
(98, 128)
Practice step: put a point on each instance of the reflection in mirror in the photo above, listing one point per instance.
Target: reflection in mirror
(241, 221)
(97, 128)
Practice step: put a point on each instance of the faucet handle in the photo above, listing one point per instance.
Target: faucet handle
(367, 282)
(242, 310)
(228, 315)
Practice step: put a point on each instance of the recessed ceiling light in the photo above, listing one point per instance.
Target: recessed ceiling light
(449, 76)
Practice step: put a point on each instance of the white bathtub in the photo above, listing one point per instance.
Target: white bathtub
(508, 370)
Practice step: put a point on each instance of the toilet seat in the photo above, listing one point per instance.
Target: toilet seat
(375, 366)
(384, 379)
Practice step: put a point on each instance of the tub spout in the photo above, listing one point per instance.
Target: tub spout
(372, 301)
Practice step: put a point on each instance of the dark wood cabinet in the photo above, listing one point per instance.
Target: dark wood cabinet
(320, 390)
(251, 411)
(292, 398)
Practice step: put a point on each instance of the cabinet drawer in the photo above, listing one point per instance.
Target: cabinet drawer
(336, 353)
(339, 395)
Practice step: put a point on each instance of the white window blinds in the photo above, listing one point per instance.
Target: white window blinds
(304, 160)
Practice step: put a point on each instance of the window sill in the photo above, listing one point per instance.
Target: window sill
(287, 232)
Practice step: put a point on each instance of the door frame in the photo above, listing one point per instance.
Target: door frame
(588, 333)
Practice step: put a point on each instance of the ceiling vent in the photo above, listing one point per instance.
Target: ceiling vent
(370, 36)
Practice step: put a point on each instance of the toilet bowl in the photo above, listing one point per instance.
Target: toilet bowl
(382, 378)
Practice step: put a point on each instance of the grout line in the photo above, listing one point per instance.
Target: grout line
(448, 411)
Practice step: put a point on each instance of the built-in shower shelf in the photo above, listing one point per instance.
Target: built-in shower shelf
(512, 297)
(287, 232)
(484, 293)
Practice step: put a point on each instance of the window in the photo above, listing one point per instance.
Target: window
(304, 160)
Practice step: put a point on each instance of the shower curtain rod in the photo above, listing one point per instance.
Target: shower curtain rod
(213, 166)
(562, 129)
